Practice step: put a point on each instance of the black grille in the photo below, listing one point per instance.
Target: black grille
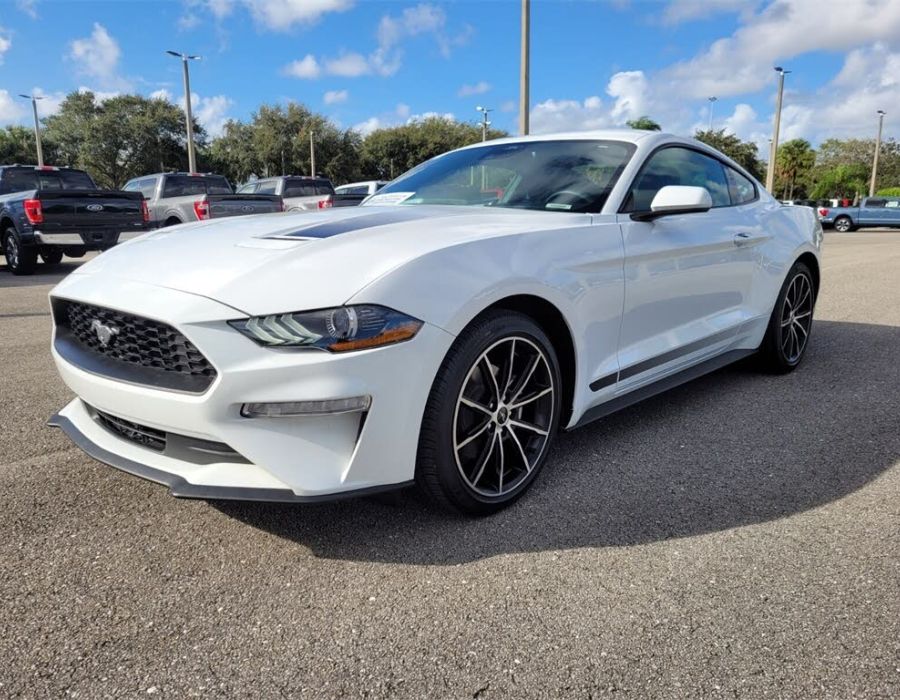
(136, 349)
(141, 434)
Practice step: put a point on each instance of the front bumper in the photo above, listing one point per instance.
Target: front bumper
(286, 458)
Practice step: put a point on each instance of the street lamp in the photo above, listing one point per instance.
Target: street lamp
(189, 120)
(712, 101)
(37, 126)
(770, 171)
(484, 120)
(881, 114)
(524, 68)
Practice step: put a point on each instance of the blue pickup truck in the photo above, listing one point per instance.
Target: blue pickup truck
(872, 211)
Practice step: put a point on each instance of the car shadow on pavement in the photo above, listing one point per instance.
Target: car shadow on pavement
(732, 449)
(44, 274)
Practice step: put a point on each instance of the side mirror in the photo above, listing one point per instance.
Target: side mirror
(676, 199)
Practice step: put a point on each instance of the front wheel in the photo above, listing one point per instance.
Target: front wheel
(791, 322)
(491, 416)
(20, 260)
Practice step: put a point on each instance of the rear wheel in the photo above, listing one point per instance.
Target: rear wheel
(52, 256)
(20, 260)
(843, 224)
(491, 416)
(791, 322)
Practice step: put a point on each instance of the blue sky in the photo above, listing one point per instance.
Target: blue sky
(367, 63)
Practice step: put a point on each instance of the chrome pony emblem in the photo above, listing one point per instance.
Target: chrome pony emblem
(105, 334)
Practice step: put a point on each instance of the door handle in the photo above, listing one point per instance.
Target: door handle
(742, 238)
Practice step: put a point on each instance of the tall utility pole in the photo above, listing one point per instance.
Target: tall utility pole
(188, 116)
(773, 151)
(881, 114)
(712, 101)
(312, 153)
(484, 121)
(524, 70)
(37, 127)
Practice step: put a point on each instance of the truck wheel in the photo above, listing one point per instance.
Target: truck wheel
(20, 260)
(172, 221)
(843, 224)
(53, 256)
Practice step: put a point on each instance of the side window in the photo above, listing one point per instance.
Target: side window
(131, 186)
(741, 189)
(147, 187)
(892, 204)
(874, 203)
(267, 187)
(249, 188)
(678, 166)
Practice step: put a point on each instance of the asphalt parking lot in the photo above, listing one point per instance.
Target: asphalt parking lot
(736, 537)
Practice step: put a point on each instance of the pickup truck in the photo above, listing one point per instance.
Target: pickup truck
(176, 198)
(48, 211)
(299, 192)
(872, 211)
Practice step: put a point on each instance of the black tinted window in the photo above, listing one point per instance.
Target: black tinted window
(65, 180)
(324, 187)
(185, 185)
(300, 188)
(875, 203)
(741, 189)
(678, 166)
(18, 181)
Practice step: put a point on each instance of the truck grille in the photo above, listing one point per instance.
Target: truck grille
(129, 348)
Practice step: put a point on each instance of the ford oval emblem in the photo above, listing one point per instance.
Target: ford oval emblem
(247, 207)
(94, 207)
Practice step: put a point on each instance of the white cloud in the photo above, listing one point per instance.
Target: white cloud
(509, 106)
(100, 96)
(402, 110)
(629, 88)
(333, 97)
(385, 60)
(306, 68)
(29, 7)
(212, 112)
(569, 115)
(350, 65)
(282, 15)
(12, 110)
(478, 88)
(742, 62)
(369, 125)
(5, 43)
(98, 56)
(679, 11)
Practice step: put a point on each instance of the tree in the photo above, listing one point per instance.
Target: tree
(859, 154)
(644, 123)
(792, 166)
(17, 146)
(387, 153)
(889, 192)
(120, 138)
(744, 153)
(841, 181)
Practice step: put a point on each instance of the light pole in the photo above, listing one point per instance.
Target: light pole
(712, 101)
(484, 120)
(524, 68)
(881, 114)
(312, 153)
(188, 117)
(773, 151)
(37, 127)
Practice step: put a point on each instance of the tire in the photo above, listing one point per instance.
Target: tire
(489, 422)
(53, 256)
(843, 224)
(172, 221)
(790, 325)
(20, 260)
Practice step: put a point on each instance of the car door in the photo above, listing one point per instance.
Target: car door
(688, 277)
(871, 212)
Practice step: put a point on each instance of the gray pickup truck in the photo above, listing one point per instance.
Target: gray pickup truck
(299, 192)
(176, 198)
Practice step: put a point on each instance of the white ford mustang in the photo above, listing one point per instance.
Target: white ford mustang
(440, 334)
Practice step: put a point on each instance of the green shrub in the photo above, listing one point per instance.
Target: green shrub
(889, 192)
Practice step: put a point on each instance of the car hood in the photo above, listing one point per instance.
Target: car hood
(285, 262)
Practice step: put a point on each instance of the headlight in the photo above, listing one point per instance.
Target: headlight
(337, 330)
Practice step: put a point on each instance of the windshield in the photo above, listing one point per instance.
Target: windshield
(572, 176)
